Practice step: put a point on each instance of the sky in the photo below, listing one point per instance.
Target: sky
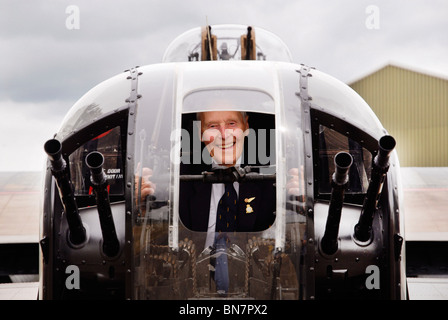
(53, 52)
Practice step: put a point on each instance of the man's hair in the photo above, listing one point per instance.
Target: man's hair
(198, 114)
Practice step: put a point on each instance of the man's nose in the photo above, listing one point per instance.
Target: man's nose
(225, 132)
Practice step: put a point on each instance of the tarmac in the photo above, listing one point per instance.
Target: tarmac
(425, 199)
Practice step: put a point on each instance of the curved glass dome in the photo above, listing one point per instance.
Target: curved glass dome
(230, 45)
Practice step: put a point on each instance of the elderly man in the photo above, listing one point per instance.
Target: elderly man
(223, 134)
(223, 208)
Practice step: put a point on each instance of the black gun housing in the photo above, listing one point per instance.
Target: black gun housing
(94, 162)
(380, 166)
(59, 170)
(342, 162)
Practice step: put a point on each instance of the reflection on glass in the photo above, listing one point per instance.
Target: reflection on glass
(187, 47)
(330, 143)
(109, 144)
(174, 259)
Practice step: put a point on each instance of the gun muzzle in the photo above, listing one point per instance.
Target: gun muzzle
(342, 162)
(61, 173)
(95, 161)
(385, 147)
(380, 166)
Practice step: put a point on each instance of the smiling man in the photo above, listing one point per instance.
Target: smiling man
(220, 209)
(224, 208)
(223, 134)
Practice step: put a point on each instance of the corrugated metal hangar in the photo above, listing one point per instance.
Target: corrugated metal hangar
(413, 106)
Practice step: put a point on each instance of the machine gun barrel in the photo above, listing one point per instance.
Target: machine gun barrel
(61, 173)
(363, 229)
(231, 174)
(94, 161)
(212, 178)
(342, 162)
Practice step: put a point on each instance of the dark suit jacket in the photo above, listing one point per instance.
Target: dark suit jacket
(195, 198)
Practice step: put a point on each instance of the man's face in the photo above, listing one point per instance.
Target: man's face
(223, 133)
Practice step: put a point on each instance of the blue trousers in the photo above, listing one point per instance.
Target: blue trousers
(221, 266)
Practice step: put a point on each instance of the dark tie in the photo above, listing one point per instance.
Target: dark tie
(227, 209)
(225, 222)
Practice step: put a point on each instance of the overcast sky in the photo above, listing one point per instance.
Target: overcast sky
(47, 63)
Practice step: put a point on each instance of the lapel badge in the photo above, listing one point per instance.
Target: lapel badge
(249, 209)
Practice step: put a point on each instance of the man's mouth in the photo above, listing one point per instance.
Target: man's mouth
(227, 146)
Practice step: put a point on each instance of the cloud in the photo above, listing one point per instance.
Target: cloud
(23, 133)
(46, 67)
(49, 60)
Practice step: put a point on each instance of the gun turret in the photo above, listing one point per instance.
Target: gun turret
(94, 161)
(380, 166)
(59, 170)
(342, 162)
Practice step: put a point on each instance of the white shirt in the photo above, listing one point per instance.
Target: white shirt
(217, 193)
